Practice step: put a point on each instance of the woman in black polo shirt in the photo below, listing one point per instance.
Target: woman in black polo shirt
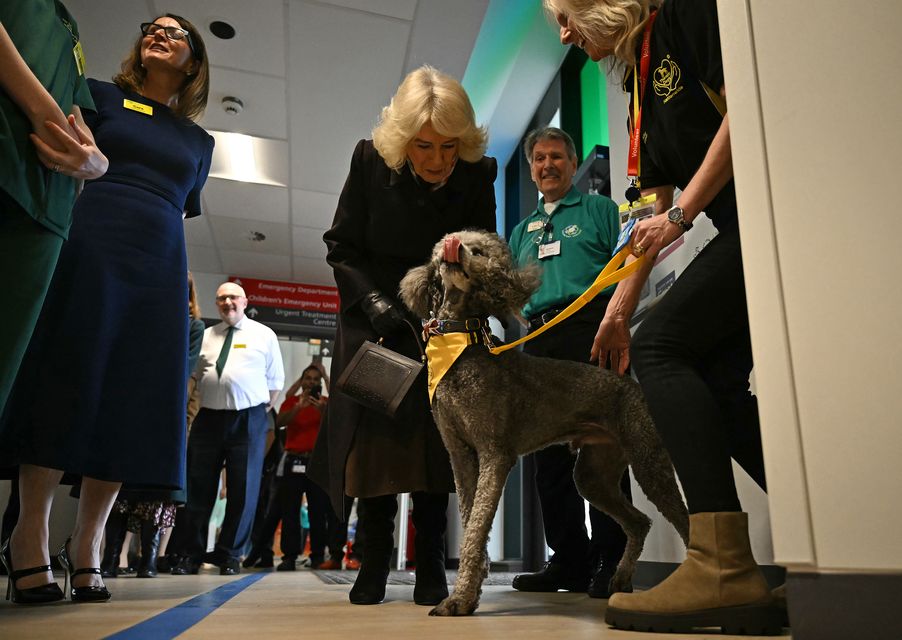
(692, 353)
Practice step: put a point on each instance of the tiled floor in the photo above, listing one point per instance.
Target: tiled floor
(299, 605)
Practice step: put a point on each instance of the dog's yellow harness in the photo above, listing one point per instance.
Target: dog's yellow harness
(443, 349)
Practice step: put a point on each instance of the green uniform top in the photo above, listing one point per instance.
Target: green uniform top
(587, 227)
(38, 30)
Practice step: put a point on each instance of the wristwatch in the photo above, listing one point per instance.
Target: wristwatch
(675, 215)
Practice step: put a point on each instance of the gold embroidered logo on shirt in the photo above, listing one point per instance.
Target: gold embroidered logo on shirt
(666, 79)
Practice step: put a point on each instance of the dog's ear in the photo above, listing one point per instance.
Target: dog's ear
(523, 283)
(414, 289)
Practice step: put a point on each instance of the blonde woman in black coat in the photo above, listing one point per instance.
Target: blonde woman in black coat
(424, 174)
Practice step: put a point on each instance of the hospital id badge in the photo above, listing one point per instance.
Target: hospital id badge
(549, 249)
(79, 54)
(535, 225)
(642, 208)
(299, 467)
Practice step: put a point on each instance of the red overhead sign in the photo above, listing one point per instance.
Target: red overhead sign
(289, 295)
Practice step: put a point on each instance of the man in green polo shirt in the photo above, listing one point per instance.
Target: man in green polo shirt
(571, 235)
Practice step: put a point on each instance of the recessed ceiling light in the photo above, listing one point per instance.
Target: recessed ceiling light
(245, 158)
(222, 30)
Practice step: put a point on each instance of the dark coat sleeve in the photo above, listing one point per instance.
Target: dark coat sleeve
(195, 340)
(346, 240)
(484, 211)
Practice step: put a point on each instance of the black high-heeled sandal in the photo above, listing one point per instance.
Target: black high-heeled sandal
(41, 594)
(90, 593)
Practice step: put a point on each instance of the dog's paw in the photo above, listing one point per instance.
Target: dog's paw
(454, 606)
(621, 583)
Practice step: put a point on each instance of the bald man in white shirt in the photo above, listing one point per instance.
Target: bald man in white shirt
(239, 375)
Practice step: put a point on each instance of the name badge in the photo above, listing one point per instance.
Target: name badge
(79, 54)
(535, 225)
(298, 468)
(146, 109)
(640, 209)
(239, 346)
(549, 249)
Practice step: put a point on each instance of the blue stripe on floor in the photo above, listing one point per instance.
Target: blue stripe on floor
(175, 621)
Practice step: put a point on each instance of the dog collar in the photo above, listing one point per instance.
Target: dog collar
(435, 326)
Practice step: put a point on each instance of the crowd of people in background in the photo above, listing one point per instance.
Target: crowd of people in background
(154, 416)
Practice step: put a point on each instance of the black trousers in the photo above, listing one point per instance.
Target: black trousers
(563, 508)
(376, 525)
(692, 355)
(235, 439)
(337, 528)
(290, 490)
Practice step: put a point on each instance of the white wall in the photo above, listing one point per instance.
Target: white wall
(816, 131)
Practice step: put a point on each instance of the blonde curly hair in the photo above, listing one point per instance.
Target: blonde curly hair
(428, 95)
(617, 21)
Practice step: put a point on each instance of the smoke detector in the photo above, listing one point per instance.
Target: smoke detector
(232, 106)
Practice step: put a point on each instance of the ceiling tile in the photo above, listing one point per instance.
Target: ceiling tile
(445, 38)
(308, 242)
(244, 200)
(203, 259)
(313, 271)
(313, 208)
(344, 67)
(263, 99)
(259, 42)
(108, 30)
(250, 264)
(235, 234)
(403, 9)
(197, 231)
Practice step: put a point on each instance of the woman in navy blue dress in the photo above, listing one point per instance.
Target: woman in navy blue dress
(102, 391)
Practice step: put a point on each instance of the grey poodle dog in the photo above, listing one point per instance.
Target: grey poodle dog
(490, 409)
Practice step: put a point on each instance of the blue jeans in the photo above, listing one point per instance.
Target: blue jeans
(236, 439)
(692, 356)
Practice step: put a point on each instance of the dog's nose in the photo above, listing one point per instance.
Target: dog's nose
(452, 249)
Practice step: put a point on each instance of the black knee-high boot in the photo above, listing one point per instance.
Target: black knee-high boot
(114, 532)
(376, 516)
(150, 547)
(430, 520)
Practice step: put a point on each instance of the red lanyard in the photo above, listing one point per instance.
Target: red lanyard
(632, 171)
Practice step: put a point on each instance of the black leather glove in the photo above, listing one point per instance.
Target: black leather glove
(384, 313)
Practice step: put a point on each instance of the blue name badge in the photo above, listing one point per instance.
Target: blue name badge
(624, 238)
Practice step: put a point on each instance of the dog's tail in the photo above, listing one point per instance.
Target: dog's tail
(650, 461)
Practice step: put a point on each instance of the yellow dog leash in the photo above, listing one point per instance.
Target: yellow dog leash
(442, 350)
(611, 274)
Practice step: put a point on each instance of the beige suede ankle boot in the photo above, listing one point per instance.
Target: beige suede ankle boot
(718, 585)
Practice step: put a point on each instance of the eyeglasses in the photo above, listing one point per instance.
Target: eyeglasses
(546, 228)
(228, 296)
(172, 33)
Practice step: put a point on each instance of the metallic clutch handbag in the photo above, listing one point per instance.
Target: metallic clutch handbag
(379, 378)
